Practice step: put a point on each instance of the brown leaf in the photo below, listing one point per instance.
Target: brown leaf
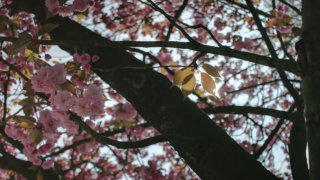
(211, 70)
(28, 119)
(208, 83)
(36, 137)
(69, 86)
(26, 124)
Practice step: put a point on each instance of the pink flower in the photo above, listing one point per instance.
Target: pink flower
(48, 122)
(95, 58)
(71, 127)
(123, 112)
(84, 59)
(49, 78)
(65, 11)
(285, 29)
(63, 100)
(81, 107)
(93, 92)
(52, 5)
(47, 164)
(4, 67)
(91, 104)
(81, 5)
(164, 57)
(11, 60)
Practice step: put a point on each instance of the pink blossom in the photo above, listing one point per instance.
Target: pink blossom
(81, 5)
(11, 60)
(84, 59)
(89, 107)
(91, 104)
(61, 116)
(93, 92)
(48, 122)
(65, 11)
(95, 58)
(50, 137)
(81, 107)
(115, 96)
(285, 29)
(44, 148)
(47, 164)
(14, 132)
(52, 5)
(63, 100)
(35, 160)
(4, 67)
(123, 112)
(71, 127)
(49, 78)
(164, 57)
(3, 77)
(76, 57)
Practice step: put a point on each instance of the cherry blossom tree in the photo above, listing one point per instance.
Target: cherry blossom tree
(224, 89)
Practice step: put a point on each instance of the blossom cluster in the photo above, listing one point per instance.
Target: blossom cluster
(281, 15)
(85, 60)
(78, 5)
(40, 137)
(49, 79)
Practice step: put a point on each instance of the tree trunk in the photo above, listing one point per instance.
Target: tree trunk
(309, 59)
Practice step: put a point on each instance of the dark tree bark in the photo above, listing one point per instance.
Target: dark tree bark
(309, 58)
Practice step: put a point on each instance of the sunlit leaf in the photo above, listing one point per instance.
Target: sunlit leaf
(211, 70)
(189, 83)
(199, 92)
(82, 75)
(181, 75)
(28, 119)
(26, 124)
(30, 54)
(208, 83)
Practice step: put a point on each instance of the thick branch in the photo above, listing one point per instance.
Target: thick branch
(248, 109)
(282, 64)
(285, 65)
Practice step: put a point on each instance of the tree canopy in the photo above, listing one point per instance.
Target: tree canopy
(223, 89)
